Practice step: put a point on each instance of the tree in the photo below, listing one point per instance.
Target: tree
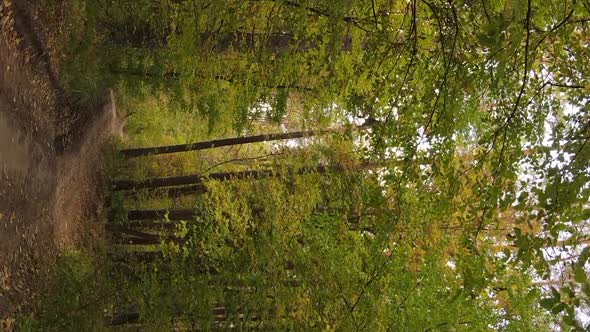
(483, 125)
(224, 176)
(138, 152)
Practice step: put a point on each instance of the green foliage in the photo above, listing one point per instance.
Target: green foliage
(279, 107)
(77, 300)
(483, 165)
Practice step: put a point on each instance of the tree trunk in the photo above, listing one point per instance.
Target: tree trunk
(175, 214)
(166, 75)
(274, 42)
(224, 176)
(219, 315)
(145, 257)
(138, 152)
(139, 217)
(160, 225)
(187, 179)
(187, 190)
(123, 318)
(134, 237)
(173, 192)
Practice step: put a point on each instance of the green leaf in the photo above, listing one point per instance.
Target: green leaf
(584, 256)
(580, 275)
(547, 303)
(569, 291)
(556, 294)
(486, 40)
(558, 308)
(569, 320)
(556, 229)
(577, 302)
(507, 252)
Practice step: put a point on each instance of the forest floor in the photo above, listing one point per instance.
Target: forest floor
(51, 165)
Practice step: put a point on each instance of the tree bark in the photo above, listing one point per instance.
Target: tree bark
(138, 152)
(219, 314)
(123, 318)
(174, 214)
(134, 237)
(155, 74)
(274, 42)
(187, 190)
(197, 179)
(187, 179)
(138, 217)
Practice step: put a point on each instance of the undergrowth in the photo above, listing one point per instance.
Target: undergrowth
(85, 288)
(76, 300)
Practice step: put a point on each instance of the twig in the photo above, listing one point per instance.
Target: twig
(525, 77)
(240, 159)
(562, 85)
(374, 14)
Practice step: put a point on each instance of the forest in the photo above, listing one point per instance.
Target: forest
(328, 165)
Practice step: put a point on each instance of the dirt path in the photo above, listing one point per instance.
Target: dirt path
(48, 191)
